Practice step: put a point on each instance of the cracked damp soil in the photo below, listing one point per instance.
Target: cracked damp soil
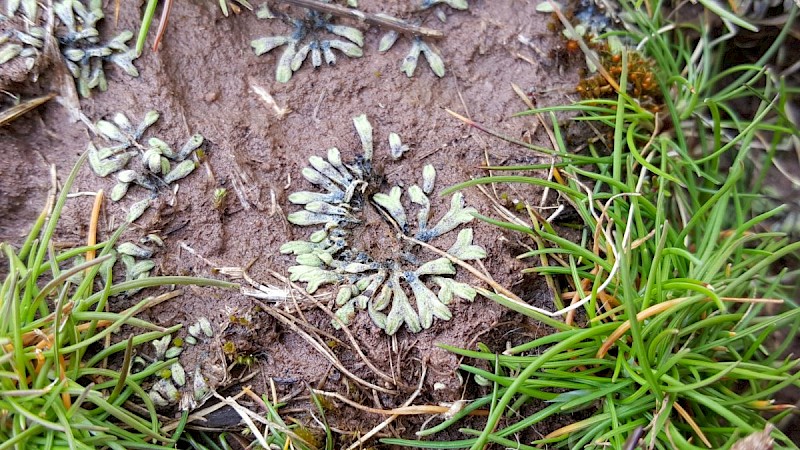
(204, 80)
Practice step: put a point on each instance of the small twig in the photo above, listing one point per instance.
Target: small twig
(389, 22)
(16, 111)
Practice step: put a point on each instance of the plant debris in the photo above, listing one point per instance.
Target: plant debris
(366, 281)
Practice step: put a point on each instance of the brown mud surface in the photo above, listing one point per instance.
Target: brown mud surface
(205, 79)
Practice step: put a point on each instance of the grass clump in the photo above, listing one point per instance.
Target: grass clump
(56, 387)
(678, 280)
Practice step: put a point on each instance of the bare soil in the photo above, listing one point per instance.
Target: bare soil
(204, 80)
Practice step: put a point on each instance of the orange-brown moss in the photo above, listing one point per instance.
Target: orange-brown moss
(642, 82)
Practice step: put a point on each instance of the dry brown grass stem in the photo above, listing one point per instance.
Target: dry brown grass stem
(360, 442)
(354, 344)
(91, 238)
(318, 345)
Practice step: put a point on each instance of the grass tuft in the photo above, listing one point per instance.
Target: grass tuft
(55, 389)
(677, 279)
